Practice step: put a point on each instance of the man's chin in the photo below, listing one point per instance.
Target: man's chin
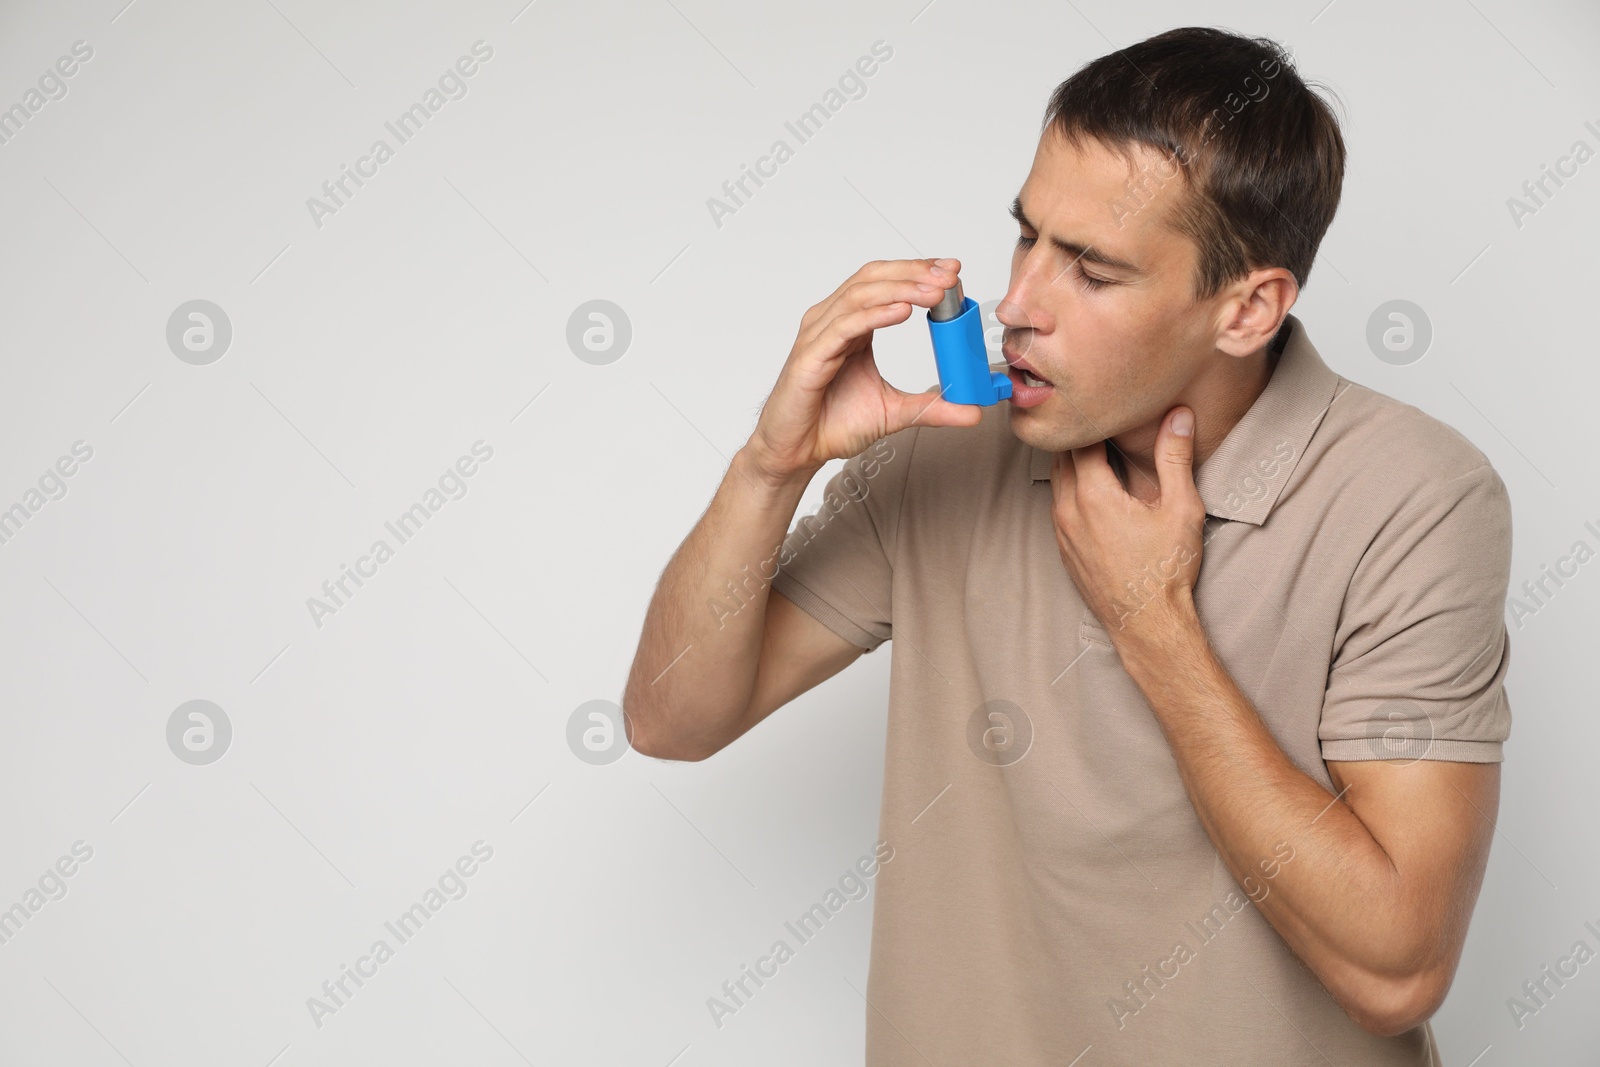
(1030, 429)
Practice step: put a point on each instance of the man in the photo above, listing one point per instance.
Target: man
(1197, 701)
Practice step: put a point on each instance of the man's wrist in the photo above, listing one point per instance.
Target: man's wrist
(1159, 632)
(755, 467)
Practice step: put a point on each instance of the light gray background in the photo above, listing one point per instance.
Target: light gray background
(431, 312)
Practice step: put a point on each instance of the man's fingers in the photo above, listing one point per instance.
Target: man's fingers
(929, 408)
(874, 293)
(882, 270)
(1175, 457)
(922, 289)
(1091, 467)
(876, 270)
(840, 335)
(1063, 482)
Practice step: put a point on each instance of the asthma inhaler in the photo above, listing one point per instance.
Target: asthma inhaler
(959, 352)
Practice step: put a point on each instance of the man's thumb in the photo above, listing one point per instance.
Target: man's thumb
(1177, 443)
(929, 408)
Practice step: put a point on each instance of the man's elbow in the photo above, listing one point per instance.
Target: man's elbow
(1394, 1006)
(660, 744)
(657, 750)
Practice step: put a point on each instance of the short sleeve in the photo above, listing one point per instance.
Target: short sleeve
(1422, 648)
(837, 564)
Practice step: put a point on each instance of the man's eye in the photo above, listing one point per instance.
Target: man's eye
(1090, 281)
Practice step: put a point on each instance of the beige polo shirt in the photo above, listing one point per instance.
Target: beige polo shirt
(1052, 890)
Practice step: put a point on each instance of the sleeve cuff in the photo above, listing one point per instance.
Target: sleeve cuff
(1412, 748)
(824, 612)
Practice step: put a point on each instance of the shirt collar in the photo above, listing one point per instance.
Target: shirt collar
(1242, 479)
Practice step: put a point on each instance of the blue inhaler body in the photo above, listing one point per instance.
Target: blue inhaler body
(960, 354)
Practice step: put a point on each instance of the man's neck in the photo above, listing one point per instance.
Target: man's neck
(1218, 406)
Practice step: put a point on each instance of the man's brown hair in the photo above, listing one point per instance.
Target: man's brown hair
(1260, 155)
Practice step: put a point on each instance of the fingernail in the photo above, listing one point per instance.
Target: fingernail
(945, 262)
(1183, 423)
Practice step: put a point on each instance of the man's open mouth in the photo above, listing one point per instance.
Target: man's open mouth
(1022, 372)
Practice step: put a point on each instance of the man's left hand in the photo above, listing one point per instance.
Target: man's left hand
(1132, 562)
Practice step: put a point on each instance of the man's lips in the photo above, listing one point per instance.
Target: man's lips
(1023, 365)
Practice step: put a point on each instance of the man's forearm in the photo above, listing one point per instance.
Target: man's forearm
(1339, 903)
(695, 667)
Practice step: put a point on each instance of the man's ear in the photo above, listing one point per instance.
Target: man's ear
(1254, 308)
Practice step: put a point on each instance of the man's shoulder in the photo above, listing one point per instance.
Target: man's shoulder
(1389, 455)
(1390, 448)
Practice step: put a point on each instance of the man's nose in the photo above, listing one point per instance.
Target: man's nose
(1014, 315)
(1021, 307)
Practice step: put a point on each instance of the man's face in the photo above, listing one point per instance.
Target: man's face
(1118, 355)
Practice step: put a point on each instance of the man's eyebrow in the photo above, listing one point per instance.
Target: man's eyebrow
(1071, 248)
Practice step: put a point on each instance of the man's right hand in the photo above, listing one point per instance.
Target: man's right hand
(830, 402)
